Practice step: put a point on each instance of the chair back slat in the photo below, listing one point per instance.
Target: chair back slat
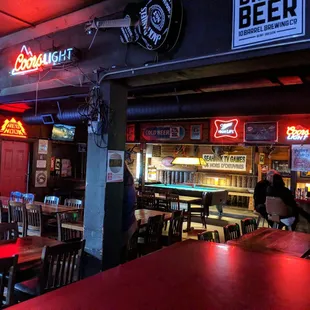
(61, 265)
(210, 236)
(8, 231)
(66, 234)
(16, 196)
(17, 213)
(175, 227)
(7, 280)
(248, 225)
(173, 202)
(147, 200)
(28, 198)
(76, 203)
(34, 220)
(132, 248)
(51, 200)
(154, 232)
(232, 232)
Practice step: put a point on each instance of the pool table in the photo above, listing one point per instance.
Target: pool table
(216, 197)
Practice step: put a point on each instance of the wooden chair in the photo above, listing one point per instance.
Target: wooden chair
(175, 229)
(28, 198)
(173, 202)
(17, 213)
(210, 236)
(34, 220)
(231, 232)
(8, 268)
(68, 234)
(16, 196)
(132, 249)
(279, 212)
(61, 265)
(248, 225)
(8, 231)
(151, 238)
(147, 200)
(76, 203)
(51, 200)
(203, 210)
(162, 204)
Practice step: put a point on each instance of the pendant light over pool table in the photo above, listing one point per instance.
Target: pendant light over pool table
(189, 161)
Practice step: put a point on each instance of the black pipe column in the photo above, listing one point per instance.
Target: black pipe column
(103, 204)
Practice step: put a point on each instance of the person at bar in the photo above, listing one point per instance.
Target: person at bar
(278, 189)
(260, 193)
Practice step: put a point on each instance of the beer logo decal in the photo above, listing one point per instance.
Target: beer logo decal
(226, 129)
(13, 128)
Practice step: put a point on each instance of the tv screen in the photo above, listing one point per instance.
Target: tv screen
(63, 132)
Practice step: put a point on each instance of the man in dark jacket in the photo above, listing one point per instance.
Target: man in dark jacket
(260, 193)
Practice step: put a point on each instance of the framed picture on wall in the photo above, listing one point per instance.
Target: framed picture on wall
(196, 132)
(281, 166)
(261, 132)
(305, 174)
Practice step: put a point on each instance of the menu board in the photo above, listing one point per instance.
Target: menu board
(301, 158)
(261, 132)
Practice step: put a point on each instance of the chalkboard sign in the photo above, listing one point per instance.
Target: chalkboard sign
(261, 132)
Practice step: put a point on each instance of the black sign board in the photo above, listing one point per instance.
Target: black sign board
(261, 132)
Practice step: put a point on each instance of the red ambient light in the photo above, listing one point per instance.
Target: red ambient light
(13, 128)
(226, 129)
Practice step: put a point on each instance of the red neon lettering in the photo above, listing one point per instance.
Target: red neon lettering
(226, 129)
(295, 133)
(27, 64)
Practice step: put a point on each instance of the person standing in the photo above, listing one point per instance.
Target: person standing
(260, 193)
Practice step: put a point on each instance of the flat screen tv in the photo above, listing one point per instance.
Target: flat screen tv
(63, 132)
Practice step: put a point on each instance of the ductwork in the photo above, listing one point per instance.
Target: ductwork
(288, 100)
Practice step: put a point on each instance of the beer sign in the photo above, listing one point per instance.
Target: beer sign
(263, 21)
(13, 128)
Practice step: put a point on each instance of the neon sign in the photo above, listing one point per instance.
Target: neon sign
(13, 128)
(27, 62)
(297, 133)
(226, 129)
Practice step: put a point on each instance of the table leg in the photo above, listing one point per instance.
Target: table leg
(189, 218)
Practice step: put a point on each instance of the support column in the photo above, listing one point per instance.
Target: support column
(103, 201)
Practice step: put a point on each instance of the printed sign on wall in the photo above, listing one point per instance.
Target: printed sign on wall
(41, 178)
(115, 171)
(225, 162)
(257, 22)
(163, 133)
(301, 158)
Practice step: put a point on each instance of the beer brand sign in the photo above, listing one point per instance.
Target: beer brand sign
(13, 128)
(263, 21)
(226, 129)
(27, 62)
(297, 133)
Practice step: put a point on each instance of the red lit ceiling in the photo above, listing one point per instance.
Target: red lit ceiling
(14, 107)
(19, 14)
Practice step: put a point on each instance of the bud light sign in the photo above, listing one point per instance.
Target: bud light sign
(263, 21)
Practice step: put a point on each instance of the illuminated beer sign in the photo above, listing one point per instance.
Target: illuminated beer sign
(13, 128)
(226, 129)
(27, 62)
(297, 133)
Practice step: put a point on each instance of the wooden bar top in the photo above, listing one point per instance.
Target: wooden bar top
(275, 241)
(189, 275)
(29, 249)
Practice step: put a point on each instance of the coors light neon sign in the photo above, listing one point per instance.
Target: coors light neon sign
(297, 133)
(27, 62)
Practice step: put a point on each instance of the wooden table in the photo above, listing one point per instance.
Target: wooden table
(189, 275)
(141, 214)
(29, 249)
(46, 208)
(270, 240)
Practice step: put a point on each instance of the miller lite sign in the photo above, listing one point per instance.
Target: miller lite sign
(226, 128)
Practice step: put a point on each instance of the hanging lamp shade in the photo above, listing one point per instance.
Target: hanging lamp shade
(189, 161)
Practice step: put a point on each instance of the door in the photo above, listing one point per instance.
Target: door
(14, 167)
